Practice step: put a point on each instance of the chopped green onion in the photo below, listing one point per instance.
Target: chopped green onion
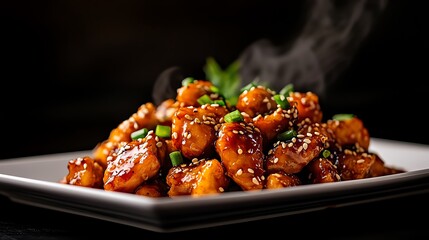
(287, 135)
(234, 116)
(214, 89)
(220, 102)
(287, 89)
(163, 131)
(248, 87)
(139, 134)
(187, 81)
(204, 99)
(342, 116)
(326, 153)
(282, 101)
(176, 158)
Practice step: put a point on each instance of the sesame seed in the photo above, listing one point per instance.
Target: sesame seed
(255, 181)
(159, 144)
(360, 161)
(305, 146)
(276, 160)
(240, 151)
(221, 189)
(338, 176)
(250, 170)
(239, 172)
(307, 140)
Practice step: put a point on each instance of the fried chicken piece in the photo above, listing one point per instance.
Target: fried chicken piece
(188, 95)
(240, 148)
(379, 168)
(350, 132)
(197, 178)
(308, 106)
(293, 155)
(135, 163)
(321, 170)
(84, 171)
(165, 111)
(152, 188)
(282, 180)
(194, 129)
(277, 122)
(145, 117)
(257, 100)
(354, 164)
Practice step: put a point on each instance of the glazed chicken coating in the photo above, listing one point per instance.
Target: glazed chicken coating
(85, 172)
(293, 155)
(256, 100)
(354, 164)
(277, 122)
(350, 132)
(145, 117)
(152, 188)
(379, 168)
(240, 148)
(308, 106)
(197, 178)
(321, 170)
(135, 163)
(165, 111)
(194, 129)
(188, 95)
(282, 180)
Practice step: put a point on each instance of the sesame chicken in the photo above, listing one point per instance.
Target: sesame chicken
(240, 149)
(198, 178)
(265, 141)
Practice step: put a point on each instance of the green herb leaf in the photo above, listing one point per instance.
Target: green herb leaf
(343, 116)
(227, 81)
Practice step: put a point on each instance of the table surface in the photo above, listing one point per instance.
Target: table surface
(395, 218)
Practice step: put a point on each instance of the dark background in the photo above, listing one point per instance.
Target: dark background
(73, 70)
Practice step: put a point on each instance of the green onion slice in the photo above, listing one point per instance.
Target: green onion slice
(281, 101)
(234, 116)
(204, 99)
(326, 153)
(176, 158)
(287, 89)
(220, 102)
(187, 81)
(139, 134)
(342, 116)
(163, 131)
(287, 135)
(248, 87)
(214, 89)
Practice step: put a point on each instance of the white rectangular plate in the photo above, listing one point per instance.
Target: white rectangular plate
(34, 181)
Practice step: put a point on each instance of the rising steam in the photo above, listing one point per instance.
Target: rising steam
(312, 61)
(325, 47)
